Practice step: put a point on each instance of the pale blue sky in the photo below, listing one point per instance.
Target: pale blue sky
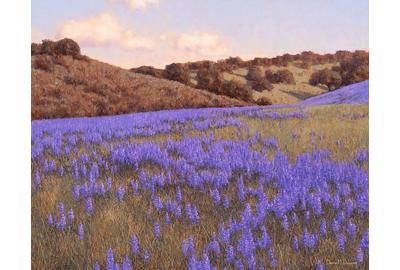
(243, 28)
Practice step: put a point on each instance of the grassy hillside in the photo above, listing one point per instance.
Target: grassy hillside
(283, 79)
(67, 84)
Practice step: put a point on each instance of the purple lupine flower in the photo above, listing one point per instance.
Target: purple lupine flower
(146, 256)
(61, 208)
(215, 196)
(224, 234)
(110, 265)
(341, 239)
(127, 264)
(214, 246)
(273, 261)
(157, 230)
(364, 243)
(76, 192)
(185, 247)
(295, 244)
(96, 266)
(238, 264)
(351, 229)
(89, 205)
(116, 266)
(50, 221)
(62, 223)
(335, 226)
(360, 255)
(226, 202)
(322, 228)
(265, 240)
(120, 193)
(157, 203)
(167, 219)
(177, 211)
(192, 213)
(61, 171)
(307, 217)
(178, 194)
(336, 201)
(109, 183)
(37, 179)
(71, 215)
(206, 264)
(135, 188)
(341, 217)
(295, 219)
(193, 264)
(285, 223)
(230, 253)
(101, 190)
(134, 245)
(188, 246)
(81, 232)
(349, 207)
(319, 266)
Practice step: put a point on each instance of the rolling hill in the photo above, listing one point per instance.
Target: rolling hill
(67, 84)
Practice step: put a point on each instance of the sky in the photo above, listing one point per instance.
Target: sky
(131, 33)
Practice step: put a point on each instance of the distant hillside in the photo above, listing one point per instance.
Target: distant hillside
(279, 80)
(67, 84)
(357, 93)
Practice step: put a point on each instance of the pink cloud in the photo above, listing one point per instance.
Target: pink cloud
(201, 43)
(37, 35)
(104, 30)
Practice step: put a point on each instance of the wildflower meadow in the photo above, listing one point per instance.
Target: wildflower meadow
(238, 188)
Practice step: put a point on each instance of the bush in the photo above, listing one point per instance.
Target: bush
(303, 65)
(48, 47)
(281, 76)
(235, 62)
(222, 66)
(201, 64)
(35, 48)
(64, 46)
(67, 46)
(149, 70)
(328, 77)
(255, 74)
(279, 61)
(355, 69)
(262, 85)
(263, 101)
(210, 79)
(177, 72)
(237, 89)
(343, 55)
(43, 63)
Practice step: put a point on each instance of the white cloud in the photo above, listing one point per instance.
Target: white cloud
(104, 30)
(138, 4)
(199, 43)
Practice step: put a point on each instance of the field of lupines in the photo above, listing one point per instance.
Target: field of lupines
(243, 188)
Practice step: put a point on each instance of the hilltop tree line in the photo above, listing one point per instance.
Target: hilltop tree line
(352, 67)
